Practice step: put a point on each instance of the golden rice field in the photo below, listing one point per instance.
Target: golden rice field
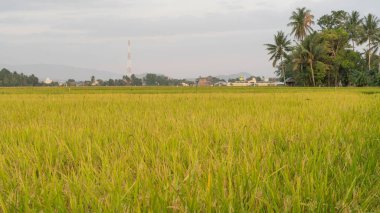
(189, 150)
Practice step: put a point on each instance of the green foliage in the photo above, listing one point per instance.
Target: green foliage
(279, 50)
(370, 35)
(335, 20)
(359, 78)
(71, 82)
(9, 79)
(135, 81)
(151, 79)
(301, 22)
(335, 40)
(308, 54)
(354, 27)
(156, 80)
(350, 65)
(328, 57)
(321, 70)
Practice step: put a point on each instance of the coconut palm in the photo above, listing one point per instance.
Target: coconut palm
(309, 52)
(301, 22)
(278, 51)
(353, 27)
(378, 47)
(370, 34)
(298, 58)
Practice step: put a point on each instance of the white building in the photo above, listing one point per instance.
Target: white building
(243, 83)
(48, 81)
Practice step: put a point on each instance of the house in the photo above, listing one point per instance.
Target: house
(203, 82)
(95, 83)
(48, 81)
(262, 84)
(240, 84)
(252, 81)
(220, 84)
(290, 82)
(244, 83)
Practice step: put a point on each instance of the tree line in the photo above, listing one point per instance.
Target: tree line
(14, 79)
(342, 50)
(150, 79)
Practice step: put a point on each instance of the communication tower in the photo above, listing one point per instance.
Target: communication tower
(129, 63)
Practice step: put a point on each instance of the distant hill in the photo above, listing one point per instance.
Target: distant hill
(234, 76)
(143, 75)
(227, 77)
(61, 72)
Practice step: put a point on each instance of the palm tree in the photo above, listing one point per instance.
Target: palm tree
(370, 34)
(353, 27)
(378, 47)
(278, 51)
(298, 59)
(301, 22)
(309, 52)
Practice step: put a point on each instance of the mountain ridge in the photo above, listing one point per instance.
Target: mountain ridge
(60, 72)
(65, 72)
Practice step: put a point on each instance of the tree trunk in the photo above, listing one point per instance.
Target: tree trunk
(369, 54)
(353, 45)
(329, 78)
(312, 73)
(283, 71)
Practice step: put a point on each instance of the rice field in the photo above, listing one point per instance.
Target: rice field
(162, 149)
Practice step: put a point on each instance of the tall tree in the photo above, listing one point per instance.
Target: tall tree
(151, 79)
(311, 52)
(353, 27)
(298, 62)
(301, 21)
(370, 34)
(135, 81)
(378, 45)
(335, 41)
(278, 51)
(335, 20)
(11, 79)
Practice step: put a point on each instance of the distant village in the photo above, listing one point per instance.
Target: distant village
(209, 81)
(14, 79)
(240, 82)
(160, 80)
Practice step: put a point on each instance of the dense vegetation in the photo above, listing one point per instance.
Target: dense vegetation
(150, 79)
(131, 149)
(12, 79)
(342, 51)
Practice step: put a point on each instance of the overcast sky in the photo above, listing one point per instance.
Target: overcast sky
(179, 38)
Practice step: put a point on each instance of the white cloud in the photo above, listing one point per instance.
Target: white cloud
(71, 32)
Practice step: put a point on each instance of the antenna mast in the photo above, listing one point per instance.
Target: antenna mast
(129, 63)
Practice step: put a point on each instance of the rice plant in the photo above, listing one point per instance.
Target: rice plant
(189, 150)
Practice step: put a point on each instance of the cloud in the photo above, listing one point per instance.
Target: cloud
(198, 34)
